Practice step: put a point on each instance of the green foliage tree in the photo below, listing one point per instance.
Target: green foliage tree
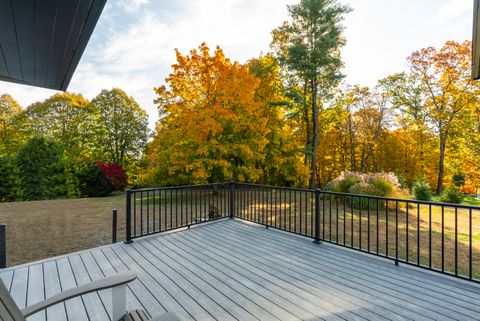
(42, 169)
(65, 118)
(10, 180)
(120, 127)
(12, 126)
(310, 49)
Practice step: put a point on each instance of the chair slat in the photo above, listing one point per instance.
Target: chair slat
(8, 308)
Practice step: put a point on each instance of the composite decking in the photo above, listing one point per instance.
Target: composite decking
(231, 270)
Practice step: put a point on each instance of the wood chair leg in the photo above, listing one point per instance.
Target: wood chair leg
(119, 302)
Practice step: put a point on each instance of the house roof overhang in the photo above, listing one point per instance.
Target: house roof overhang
(476, 41)
(41, 42)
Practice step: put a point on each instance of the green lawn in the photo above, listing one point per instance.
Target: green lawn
(468, 200)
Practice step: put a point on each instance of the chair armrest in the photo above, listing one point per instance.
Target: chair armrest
(106, 283)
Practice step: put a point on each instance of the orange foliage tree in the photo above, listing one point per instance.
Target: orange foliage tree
(218, 123)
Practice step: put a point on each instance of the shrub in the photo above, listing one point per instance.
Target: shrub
(452, 194)
(382, 187)
(344, 182)
(10, 181)
(115, 174)
(421, 190)
(42, 166)
(92, 181)
(373, 184)
(458, 179)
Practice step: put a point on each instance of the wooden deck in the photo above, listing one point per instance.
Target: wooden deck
(231, 270)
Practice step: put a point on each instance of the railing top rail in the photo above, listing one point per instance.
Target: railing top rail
(176, 187)
(405, 200)
(383, 198)
(278, 187)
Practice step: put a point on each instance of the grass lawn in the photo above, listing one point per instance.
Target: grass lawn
(42, 229)
(468, 200)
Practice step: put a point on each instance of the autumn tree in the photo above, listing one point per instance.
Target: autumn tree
(120, 127)
(12, 126)
(65, 118)
(444, 77)
(311, 44)
(283, 160)
(218, 121)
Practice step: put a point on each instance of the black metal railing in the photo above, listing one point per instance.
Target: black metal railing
(155, 210)
(435, 236)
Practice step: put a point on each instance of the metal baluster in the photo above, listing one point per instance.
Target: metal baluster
(407, 233)
(443, 238)
(418, 233)
(377, 228)
(456, 241)
(396, 232)
(368, 224)
(470, 272)
(430, 236)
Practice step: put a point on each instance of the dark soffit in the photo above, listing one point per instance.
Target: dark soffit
(42, 41)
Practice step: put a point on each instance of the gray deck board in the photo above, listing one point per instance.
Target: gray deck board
(35, 290)
(232, 270)
(51, 283)
(367, 277)
(311, 275)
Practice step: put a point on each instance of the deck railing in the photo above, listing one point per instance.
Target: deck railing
(435, 236)
(155, 210)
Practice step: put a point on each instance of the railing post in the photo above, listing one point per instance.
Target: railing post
(317, 216)
(128, 212)
(3, 246)
(114, 226)
(232, 199)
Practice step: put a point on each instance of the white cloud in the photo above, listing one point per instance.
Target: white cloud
(138, 58)
(454, 8)
(133, 46)
(131, 5)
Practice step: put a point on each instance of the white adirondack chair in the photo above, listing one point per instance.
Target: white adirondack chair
(9, 311)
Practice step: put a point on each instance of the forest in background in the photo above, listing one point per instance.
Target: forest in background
(284, 118)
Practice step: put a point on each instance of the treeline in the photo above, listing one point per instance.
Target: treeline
(67, 146)
(288, 118)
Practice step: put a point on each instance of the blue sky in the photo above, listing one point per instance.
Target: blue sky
(133, 44)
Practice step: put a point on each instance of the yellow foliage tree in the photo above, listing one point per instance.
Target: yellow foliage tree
(215, 121)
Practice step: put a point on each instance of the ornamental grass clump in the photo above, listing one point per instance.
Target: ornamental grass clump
(372, 184)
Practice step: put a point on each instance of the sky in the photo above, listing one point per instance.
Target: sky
(133, 44)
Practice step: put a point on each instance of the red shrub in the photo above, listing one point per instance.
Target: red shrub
(115, 174)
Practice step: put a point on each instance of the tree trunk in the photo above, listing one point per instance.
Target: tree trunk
(307, 122)
(441, 166)
(353, 163)
(313, 167)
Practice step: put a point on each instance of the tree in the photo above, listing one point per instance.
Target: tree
(444, 77)
(67, 119)
(283, 163)
(312, 40)
(120, 127)
(41, 163)
(212, 125)
(12, 126)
